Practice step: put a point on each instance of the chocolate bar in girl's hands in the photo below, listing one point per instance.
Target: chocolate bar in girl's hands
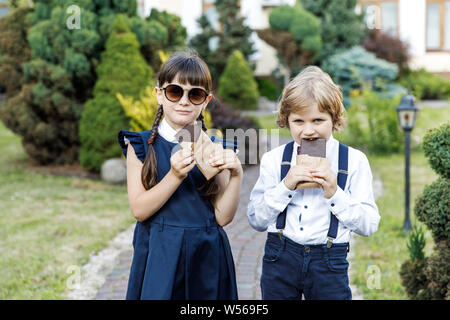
(194, 138)
(311, 154)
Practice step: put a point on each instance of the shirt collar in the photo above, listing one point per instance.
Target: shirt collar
(166, 131)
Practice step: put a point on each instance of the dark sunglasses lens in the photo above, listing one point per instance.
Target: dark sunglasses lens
(174, 92)
(197, 96)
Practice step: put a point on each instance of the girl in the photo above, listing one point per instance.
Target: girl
(180, 248)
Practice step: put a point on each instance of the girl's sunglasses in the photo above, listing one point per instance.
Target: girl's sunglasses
(174, 93)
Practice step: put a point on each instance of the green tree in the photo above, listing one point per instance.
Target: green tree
(60, 75)
(295, 34)
(14, 50)
(237, 85)
(342, 27)
(122, 70)
(232, 35)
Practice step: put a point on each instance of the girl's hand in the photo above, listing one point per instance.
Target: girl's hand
(295, 175)
(326, 178)
(181, 163)
(226, 159)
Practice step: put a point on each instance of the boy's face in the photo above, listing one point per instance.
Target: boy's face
(310, 123)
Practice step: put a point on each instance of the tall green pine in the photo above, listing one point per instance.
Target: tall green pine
(122, 70)
(232, 35)
(237, 85)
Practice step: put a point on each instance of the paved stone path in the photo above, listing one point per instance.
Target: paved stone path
(247, 246)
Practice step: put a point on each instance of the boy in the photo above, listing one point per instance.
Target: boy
(309, 229)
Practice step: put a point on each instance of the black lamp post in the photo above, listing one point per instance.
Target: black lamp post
(407, 115)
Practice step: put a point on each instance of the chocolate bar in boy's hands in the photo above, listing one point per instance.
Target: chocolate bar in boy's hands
(193, 137)
(312, 153)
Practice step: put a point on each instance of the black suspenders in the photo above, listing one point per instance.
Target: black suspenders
(341, 180)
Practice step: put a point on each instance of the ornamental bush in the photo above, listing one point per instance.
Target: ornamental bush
(432, 208)
(355, 67)
(436, 145)
(237, 85)
(122, 70)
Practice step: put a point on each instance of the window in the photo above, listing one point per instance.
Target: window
(438, 25)
(381, 14)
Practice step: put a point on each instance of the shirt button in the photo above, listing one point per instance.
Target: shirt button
(301, 228)
(290, 196)
(332, 204)
(306, 207)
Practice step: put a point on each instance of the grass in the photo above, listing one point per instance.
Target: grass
(49, 223)
(379, 257)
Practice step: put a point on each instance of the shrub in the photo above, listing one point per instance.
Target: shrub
(268, 89)
(372, 123)
(437, 271)
(295, 34)
(436, 146)
(426, 85)
(122, 70)
(237, 85)
(14, 50)
(355, 67)
(387, 47)
(341, 27)
(432, 208)
(414, 279)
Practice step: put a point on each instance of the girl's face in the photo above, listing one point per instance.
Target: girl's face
(310, 123)
(182, 112)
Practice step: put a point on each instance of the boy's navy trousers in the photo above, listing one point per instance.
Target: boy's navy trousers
(290, 270)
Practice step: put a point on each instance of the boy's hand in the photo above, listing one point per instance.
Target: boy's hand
(326, 178)
(226, 159)
(181, 163)
(297, 174)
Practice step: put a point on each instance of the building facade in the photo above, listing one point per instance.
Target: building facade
(423, 24)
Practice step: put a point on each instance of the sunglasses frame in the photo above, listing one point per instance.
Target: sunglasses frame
(184, 90)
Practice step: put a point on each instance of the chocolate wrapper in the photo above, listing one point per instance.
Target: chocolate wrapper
(194, 138)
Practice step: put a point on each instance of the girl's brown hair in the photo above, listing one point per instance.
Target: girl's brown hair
(190, 69)
(311, 86)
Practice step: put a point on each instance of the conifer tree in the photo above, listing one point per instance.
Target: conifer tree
(342, 27)
(232, 34)
(295, 34)
(122, 70)
(237, 85)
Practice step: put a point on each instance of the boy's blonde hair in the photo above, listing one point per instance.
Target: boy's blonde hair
(309, 87)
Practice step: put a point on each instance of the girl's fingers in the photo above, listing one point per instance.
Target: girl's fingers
(188, 168)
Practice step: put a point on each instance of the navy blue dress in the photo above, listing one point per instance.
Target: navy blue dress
(180, 252)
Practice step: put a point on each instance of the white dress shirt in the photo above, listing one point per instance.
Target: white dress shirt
(166, 131)
(354, 207)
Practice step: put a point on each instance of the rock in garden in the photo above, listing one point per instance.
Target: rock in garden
(114, 171)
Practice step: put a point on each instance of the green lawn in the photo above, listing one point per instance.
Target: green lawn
(48, 223)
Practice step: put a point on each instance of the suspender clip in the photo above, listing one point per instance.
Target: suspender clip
(280, 234)
(330, 242)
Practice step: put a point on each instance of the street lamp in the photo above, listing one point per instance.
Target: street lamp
(407, 115)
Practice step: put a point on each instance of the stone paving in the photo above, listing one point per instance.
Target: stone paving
(247, 246)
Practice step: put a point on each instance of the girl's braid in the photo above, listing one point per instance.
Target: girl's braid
(156, 122)
(202, 119)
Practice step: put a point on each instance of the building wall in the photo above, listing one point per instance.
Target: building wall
(411, 27)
